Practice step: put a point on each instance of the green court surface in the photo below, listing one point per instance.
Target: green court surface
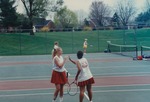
(117, 78)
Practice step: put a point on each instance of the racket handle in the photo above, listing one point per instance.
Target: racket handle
(68, 74)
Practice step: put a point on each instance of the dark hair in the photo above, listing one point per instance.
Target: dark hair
(79, 54)
(56, 42)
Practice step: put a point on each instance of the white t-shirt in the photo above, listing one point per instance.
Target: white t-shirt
(85, 73)
(55, 67)
(85, 43)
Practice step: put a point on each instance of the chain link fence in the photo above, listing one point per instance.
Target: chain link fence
(20, 42)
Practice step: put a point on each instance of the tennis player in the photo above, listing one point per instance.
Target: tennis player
(84, 76)
(85, 45)
(59, 74)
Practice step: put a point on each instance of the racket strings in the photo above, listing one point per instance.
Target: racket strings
(73, 89)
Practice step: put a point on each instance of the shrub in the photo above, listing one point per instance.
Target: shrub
(45, 29)
(86, 28)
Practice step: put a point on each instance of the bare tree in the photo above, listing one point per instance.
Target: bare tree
(125, 11)
(98, 12)
(35, 8)
(81, 15)
(40, 8)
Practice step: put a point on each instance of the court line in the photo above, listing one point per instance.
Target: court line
(122, 74)
(108, 67)
(126, 74)
(10, 63)
(23, 78)
(106, 86)
(99, 91)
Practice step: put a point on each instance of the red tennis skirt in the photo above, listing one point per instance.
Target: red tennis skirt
(59, 77)
(86, 82)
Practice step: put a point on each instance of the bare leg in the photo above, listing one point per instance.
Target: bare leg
(61, 90)
(84, 50)
(56, 91)
(82, 90)
(89, 90)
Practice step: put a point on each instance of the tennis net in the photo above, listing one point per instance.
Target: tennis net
(125, 50)
(145, 52)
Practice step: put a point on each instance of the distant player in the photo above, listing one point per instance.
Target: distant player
(84, 76)
(34, 29)
(85, 45)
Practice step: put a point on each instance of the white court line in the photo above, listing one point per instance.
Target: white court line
(24, 78)
(106, 86)
(107, 67)
(126, 74)
(122, 74)
(99, 91)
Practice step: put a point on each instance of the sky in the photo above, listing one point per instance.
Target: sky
(84, 5)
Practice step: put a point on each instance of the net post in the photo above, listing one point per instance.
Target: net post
(120, 50)
(136, 51)
(108, 47)
(141, 51)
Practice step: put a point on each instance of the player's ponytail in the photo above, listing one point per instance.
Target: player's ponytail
(54, 53)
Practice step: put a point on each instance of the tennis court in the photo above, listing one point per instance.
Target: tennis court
(117, 78)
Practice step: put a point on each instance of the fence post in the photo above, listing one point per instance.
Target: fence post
(20, 44)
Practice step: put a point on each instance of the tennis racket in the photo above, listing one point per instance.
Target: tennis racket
(66, 88)
(72, 89)
(67, 84)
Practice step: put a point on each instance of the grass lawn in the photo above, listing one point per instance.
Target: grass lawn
(71, 42)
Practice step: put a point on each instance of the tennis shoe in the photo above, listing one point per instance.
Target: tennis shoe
(61, 99)
(53, 100)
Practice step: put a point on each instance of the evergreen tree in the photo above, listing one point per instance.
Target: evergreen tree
(8, 13)
(143, 17)
(116, 20)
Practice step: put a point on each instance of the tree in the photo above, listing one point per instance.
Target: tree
(86, 22)
(125, 11)
(56, 5)
(116, 20)
(81, 15)
(65, 18)
(23, 22)
(98, 12)
(144, 17)
(35, 8)
(8, 13)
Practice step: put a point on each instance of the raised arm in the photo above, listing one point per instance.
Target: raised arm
(73, 61)
(60, 65)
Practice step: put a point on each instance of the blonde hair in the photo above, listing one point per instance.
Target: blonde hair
(54, 52)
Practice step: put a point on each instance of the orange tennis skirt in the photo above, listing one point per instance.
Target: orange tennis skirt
(86, 82)
(59, 77)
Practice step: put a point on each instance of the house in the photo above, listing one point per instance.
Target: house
(44, 25)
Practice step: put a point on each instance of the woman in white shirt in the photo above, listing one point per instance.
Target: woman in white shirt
(59, 74)
(84, 76)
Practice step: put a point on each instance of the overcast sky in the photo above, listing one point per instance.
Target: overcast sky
(84, 5)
